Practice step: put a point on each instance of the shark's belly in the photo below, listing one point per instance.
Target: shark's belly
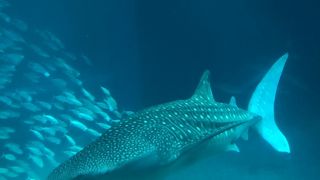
(105, 155)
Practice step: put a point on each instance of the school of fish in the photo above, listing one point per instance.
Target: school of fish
(46, 112)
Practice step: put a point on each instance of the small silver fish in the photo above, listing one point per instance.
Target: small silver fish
(78, 125)
(8, 114)
(104, 125)
(93, 132)
(87, 94)
(9, 157)
(36, 160)
(53, 140)
(37, 134)
(14, 147)
(70, 140)
(17, 169)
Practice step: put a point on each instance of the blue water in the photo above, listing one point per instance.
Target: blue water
(148, 53)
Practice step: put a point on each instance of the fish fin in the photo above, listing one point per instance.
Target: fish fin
(233, 101)
(203, 90)
(141, 168)
(245, 135)
(233, 148)
(206, 139)
(148, 160)
(262, 103)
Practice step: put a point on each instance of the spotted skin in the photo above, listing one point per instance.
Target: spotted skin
(160, 135)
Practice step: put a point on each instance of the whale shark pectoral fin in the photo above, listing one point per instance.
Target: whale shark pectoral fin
(245, 135)
(203, 91)
(142, 168)
(144, 161)
(233, 148)
(262, 103)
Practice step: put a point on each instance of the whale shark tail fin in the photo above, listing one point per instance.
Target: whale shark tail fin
(262, 103)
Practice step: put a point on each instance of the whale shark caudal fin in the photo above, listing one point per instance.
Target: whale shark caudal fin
(262, 103)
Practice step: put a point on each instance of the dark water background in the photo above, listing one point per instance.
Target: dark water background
(149, 52)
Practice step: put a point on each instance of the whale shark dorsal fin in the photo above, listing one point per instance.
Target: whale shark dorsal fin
(233, 101)
(203, 90)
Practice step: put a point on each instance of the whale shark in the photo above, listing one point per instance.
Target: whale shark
(155, 141)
